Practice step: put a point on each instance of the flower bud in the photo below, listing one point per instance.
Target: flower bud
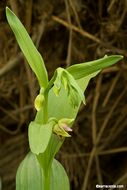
(62, 127)
(39, 100)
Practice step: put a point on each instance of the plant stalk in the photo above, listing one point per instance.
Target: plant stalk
(46, 179)
(45, 110)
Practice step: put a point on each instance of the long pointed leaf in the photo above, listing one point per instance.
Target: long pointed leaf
(28, 48)
(84, 69)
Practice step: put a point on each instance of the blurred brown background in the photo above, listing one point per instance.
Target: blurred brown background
(68, 32)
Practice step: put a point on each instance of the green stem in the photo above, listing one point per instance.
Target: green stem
(46, 179)
(47, 183)
(45, 110)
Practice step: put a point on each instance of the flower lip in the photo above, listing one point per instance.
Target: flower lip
(66, 128)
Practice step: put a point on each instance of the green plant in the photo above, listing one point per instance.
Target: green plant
(57, 105)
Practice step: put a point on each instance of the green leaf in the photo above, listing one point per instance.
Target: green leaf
(28, 48)
(83, 82)
(59, 179)
(31, 177)
(84, 69)
(39, 136)
(61, 104)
